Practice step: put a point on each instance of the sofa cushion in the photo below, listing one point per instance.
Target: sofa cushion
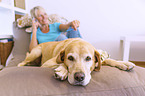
(21, 40)
(21, 45)
(38, 81)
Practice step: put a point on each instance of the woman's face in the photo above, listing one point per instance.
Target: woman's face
(42, 17)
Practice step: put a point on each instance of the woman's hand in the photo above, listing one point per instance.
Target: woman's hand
(35, 24)
(75, 24)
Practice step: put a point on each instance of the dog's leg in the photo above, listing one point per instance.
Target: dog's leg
(34, 54)
(119, 64)
(61, 72)
(51, 63)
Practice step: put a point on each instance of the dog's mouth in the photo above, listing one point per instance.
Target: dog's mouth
(79, 83)
(79, 78)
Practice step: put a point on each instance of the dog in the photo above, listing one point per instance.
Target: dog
(73, 58)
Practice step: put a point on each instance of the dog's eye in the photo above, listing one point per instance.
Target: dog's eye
(88, 58)
(70, 58)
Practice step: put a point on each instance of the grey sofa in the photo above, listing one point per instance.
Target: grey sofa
(37, 81)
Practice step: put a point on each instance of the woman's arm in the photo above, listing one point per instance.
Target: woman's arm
(34, 41)
(75, 24)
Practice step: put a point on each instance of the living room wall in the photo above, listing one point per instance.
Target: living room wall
(103, 22)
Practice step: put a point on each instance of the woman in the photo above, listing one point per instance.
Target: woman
(45, 32)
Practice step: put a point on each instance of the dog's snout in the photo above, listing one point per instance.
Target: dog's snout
(79, 76)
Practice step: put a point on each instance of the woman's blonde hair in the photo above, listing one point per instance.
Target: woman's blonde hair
(33, 11)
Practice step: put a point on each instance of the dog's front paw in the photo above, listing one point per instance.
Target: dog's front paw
(61, 72)
(127, 65)
(21, 64)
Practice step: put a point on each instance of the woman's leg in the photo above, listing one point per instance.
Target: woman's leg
(71, 33)
(61, 37)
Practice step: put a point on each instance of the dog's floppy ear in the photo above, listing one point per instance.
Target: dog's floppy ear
(97, 61)
(60, 57)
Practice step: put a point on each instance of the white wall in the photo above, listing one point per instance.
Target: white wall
(103, 22)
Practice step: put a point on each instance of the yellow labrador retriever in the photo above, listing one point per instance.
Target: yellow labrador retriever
(72, 58)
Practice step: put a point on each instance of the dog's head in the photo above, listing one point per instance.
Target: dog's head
(81, 59)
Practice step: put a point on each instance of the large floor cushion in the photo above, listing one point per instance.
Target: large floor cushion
(37, 81)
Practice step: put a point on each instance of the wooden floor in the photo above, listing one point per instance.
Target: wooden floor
(142, 64)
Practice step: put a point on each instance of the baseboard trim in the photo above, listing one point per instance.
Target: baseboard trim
(139, 63)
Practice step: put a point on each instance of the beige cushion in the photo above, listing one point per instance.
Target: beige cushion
(37, 81)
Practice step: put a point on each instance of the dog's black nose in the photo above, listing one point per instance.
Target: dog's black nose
(79, 76)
